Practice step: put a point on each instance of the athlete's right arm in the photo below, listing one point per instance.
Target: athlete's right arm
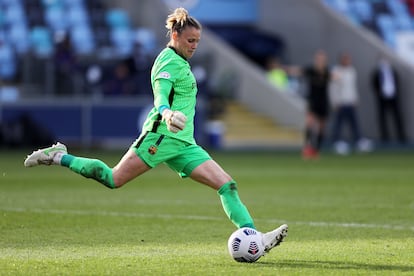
(175, 120)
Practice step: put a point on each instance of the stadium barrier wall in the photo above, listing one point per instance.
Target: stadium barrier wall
(111, 123)
(81, 122)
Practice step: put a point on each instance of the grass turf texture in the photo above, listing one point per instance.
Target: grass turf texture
(347, 215)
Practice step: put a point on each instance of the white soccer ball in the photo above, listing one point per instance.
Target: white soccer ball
(245, 245)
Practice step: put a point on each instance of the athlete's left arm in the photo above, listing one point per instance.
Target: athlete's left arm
(175, 119)
(162, 89)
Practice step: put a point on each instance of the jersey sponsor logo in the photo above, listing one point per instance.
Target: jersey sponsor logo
(164, 75)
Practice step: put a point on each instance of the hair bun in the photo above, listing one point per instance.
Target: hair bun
(179, 19)
(179, 16)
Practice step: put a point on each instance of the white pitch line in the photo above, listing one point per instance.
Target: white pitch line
(191, 217)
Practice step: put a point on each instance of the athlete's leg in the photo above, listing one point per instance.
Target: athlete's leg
(309, 150)
(321, 132)
(211, 174)
(129, 167)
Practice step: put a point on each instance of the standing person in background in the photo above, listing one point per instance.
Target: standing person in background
(65, 66)
(276, 74)
(317, 77)
(385, 82)
(344, 99)
(120, 81)
(168, 133)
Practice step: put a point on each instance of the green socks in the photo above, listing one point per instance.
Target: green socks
(98, 170)
(233, 207)
(89, 168)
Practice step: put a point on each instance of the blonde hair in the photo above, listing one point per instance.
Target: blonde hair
(179, 20)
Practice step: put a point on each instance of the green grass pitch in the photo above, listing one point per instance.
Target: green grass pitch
(347, 216)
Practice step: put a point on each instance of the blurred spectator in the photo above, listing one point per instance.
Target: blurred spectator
(65, 66)
(385, 82)
(317, 77)
(139, 64)
(140, 60)
(120, 82)
(344, 100)
(276, 74)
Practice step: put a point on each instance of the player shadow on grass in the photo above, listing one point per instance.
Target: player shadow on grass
(335, 265)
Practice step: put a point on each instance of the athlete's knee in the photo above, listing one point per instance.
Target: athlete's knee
(117, 181)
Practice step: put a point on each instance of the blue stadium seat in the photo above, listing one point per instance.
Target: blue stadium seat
(123, 40)
(386, 27)
(385, 22)
(8, 65)
(41, 41)
(74, 3)
(2, 18)
(77, 15)
(117, 18)
(56, 18)
(146, 38)
(52, 3)
(397, 7)
(10, 2)
(362, 10)
(403, 23)
(3, 35)
(14, 13)
(82, 39)
(19, 38)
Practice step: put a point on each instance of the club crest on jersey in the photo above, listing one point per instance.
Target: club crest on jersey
(152, 150)
(164, 75)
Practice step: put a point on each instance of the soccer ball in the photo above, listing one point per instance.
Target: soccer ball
(245, 245)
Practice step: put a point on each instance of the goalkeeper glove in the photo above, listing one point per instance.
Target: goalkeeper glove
(175, 120)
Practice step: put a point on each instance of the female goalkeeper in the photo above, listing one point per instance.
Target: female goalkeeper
(167, 134)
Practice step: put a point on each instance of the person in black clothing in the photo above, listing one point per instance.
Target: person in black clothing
(385, 82)
(317, 77)
(66, 64)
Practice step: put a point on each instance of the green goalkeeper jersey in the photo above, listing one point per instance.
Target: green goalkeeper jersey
(174, 86)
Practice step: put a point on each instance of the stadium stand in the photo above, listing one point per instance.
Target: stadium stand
(31, 30)
(105, 23)
(386, 18)
(260, 46)
(7, 62)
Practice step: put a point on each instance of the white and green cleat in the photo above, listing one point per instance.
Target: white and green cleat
(274, 238)
(47, 156)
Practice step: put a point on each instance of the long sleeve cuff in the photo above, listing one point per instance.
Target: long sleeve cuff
(162, 108)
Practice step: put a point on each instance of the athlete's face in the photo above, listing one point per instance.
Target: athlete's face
(187, 41)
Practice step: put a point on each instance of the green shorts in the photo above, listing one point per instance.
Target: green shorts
(182, 157)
